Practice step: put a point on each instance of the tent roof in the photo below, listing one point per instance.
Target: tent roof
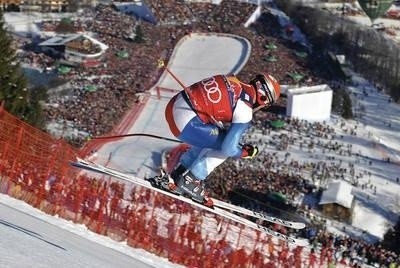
(278, 123)
(375, 9)
(308, 90)
(63, 69)
(277, 196)
(338, 192)
(123, 54)
(90, 88)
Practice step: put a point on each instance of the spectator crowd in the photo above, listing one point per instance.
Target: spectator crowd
(277, 171)
(120, 81)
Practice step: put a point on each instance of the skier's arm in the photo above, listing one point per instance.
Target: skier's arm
(241, 119)
(230, 146)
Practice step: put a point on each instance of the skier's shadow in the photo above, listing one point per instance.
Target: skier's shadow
(156, 158)
(261, 202)
(28, 232)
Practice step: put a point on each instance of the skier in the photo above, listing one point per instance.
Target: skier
(211, 116)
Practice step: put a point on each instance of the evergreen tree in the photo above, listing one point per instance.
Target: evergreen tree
(391, 239)
(13, 85)
(341, 103)
(347, 106)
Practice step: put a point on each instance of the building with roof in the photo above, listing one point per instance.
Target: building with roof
(75, 49)
(309, 103)
(337, 201)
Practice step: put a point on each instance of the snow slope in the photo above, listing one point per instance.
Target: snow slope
(31, 238)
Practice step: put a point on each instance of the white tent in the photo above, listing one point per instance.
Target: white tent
(309, 103)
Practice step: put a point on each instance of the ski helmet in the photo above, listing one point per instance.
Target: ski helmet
(267, 88)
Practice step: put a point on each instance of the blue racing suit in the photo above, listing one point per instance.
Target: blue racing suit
(211, 115)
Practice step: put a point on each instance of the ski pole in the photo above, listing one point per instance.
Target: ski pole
(135, 135)
(162, 64)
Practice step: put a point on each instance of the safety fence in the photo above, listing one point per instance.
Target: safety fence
(34, 167)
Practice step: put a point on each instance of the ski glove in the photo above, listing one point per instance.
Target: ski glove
(249, 151)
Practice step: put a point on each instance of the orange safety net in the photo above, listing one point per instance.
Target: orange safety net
(29, 156)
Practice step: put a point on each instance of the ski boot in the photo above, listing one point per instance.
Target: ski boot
(163, 182)
(186, 183)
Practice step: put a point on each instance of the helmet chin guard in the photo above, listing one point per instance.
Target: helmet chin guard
(267, 89)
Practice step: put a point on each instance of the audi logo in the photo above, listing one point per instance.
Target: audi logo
(214, 93)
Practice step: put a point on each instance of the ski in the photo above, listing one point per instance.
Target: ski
(258, 215)
(219, 210)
